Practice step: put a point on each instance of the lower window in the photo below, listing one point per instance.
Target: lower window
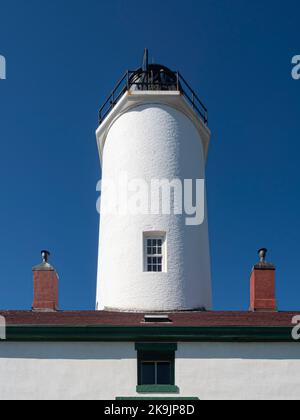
(156, 368)
(155, 373)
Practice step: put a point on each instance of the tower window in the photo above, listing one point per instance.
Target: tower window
(154, 253)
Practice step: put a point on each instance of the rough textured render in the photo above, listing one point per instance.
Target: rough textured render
(153, 140)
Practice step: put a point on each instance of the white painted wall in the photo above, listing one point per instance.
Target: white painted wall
(88, 371)
(69, 371)
(248, 371)
(152, 140)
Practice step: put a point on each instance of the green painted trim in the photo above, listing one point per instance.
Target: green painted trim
(157, 347)
(157, 389)
(156, 355)
(150, 334)
(157, 399)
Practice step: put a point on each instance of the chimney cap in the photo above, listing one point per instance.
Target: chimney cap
(44, 266)
(45, 255)
(263, 264)
(262, 253)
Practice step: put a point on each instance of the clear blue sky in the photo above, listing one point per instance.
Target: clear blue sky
(64, 57)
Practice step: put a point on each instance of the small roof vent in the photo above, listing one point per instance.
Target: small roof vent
(155, 319)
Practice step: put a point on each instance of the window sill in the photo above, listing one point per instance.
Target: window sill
(157, 399)
(157, 389)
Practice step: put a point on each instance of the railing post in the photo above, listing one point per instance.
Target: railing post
(147, 78)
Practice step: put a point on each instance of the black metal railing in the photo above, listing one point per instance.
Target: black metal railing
(142, 81)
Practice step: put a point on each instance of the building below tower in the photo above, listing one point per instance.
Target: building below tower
(99, 355)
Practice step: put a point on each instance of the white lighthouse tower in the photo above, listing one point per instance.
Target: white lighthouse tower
(152, 127)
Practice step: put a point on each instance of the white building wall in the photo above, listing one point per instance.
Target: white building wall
(108, 370)
(153, 141)
(244, 371)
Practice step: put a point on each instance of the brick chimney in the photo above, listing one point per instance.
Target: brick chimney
(45, 281)
(262, 285)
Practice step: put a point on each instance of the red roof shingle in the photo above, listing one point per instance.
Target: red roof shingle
(179, 319)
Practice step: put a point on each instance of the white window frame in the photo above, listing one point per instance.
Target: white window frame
(155, 236)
